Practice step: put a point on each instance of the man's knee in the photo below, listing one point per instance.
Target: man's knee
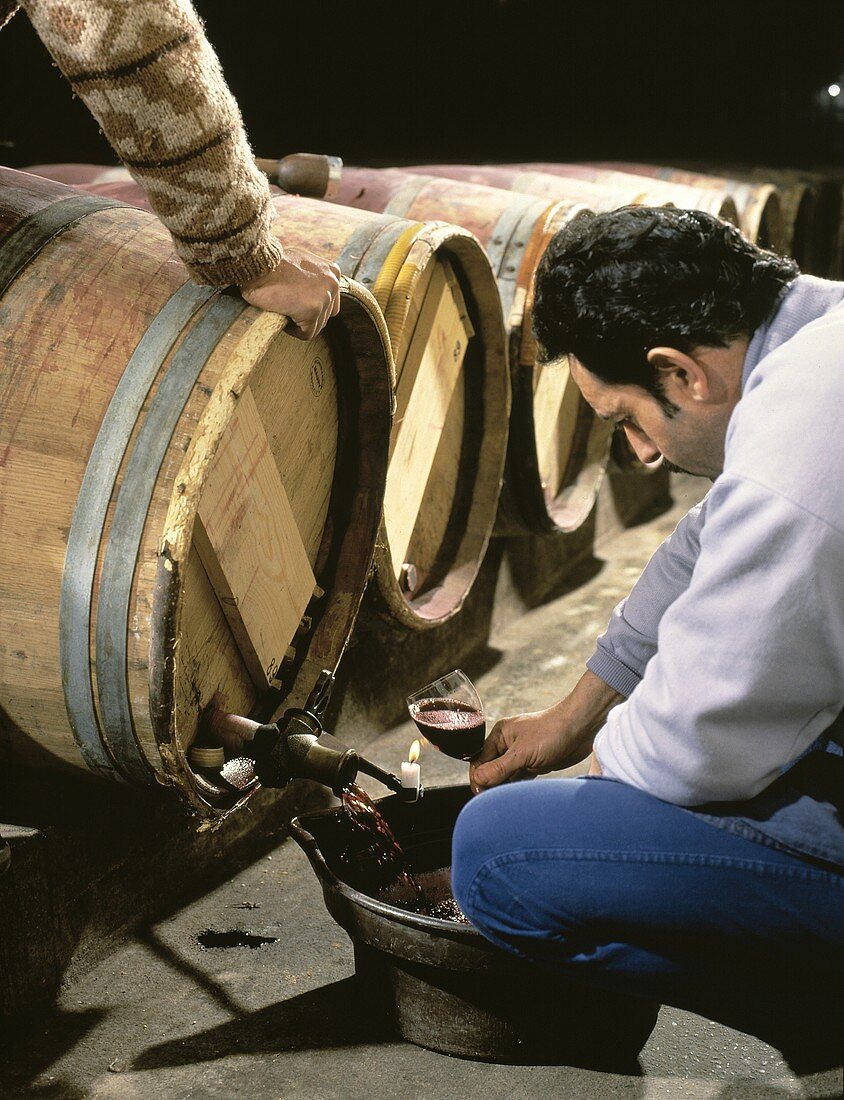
(479, 836)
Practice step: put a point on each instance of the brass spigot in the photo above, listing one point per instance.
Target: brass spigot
(297, 747)
(291, 748)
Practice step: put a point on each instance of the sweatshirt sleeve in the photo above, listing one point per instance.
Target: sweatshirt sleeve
(629, 642)
(149, 76)
(750, 666)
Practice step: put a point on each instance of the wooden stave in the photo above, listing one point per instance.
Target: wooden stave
(493, 216)
(363, 328)
(360, 240)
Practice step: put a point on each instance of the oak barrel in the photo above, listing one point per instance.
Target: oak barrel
(621, 190)
(436, 288)
(558, 449)
(817, 232)
(824, 252)
(759, 206)
(190, 498)
(441, 304)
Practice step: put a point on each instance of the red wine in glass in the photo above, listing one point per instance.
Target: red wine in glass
(449, 713)
(455, 728)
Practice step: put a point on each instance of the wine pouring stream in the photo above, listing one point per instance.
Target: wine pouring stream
(448, 713)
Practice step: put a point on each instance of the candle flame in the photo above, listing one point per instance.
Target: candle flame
(415, 750)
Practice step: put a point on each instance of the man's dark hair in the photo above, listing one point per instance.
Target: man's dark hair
(611, 286)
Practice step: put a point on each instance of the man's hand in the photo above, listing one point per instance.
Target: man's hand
(302, 287)
(521, 747)
(533, 744)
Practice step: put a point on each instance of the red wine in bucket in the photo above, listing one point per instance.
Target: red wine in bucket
(455, 728)
(375, 859)
(376, 865)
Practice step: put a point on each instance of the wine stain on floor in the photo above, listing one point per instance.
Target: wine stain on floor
(211, 940)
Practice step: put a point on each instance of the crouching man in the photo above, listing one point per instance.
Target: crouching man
(700, 863)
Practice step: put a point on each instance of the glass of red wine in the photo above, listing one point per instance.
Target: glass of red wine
(449, 713)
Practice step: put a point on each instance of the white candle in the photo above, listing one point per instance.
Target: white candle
(411, 775)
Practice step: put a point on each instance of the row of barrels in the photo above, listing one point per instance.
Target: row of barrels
(191, 501)
(796, 213)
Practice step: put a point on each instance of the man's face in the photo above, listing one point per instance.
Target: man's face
(691, 440)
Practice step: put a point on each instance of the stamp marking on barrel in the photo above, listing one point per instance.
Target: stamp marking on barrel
(317, 376)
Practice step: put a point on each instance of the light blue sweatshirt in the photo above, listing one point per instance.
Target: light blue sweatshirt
(730, 647)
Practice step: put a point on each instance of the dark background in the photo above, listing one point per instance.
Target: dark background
(392, 82)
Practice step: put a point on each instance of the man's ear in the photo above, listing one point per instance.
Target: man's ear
(683, 378)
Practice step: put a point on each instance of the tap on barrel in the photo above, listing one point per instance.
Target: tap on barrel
(297, 747)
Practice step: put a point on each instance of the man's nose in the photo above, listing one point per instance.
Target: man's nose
(645, 450)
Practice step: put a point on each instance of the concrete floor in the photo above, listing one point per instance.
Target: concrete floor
(162, 1017)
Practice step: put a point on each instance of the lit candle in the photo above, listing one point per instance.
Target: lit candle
(411, 772)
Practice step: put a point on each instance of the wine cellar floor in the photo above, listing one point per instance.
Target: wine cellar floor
(273, 1012)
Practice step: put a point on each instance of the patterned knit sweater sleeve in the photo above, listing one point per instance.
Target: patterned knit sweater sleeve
(147, 73)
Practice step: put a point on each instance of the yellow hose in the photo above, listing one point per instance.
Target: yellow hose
(398, 304)
(391, 267)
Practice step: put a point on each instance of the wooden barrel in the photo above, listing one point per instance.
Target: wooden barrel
(558, 449)
(436, 288)
(190, 498)
(759, 207)
(813, 205)
(449, 444)
(817, 232)
(620, 191)
(827, 250)
(80, 175)
(798, 202)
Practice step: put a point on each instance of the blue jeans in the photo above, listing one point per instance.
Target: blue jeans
(620, 890)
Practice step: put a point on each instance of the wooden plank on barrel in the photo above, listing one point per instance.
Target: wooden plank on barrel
(555, 413)
(431, 369)
(215, 670)
(259, 569)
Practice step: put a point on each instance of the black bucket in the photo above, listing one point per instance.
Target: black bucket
(439, 983)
